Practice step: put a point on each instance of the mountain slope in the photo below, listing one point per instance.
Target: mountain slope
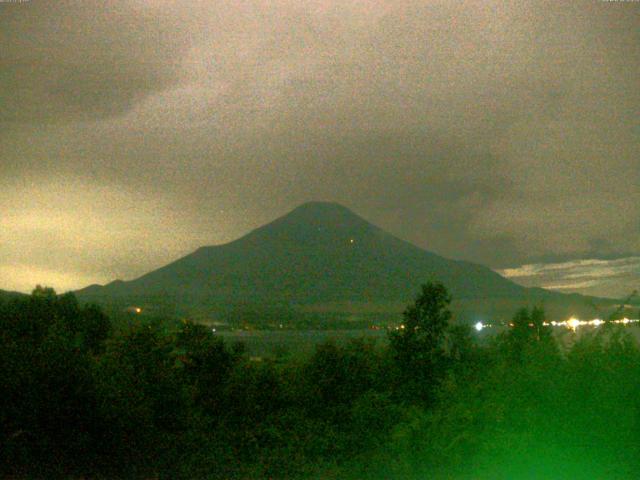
(318, 253)
(5, 295)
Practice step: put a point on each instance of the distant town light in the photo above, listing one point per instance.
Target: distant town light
(573, 323)
(351, 240)
(138, 310)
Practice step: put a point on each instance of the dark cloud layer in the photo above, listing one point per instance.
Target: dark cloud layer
(133, 131)
(82, 60)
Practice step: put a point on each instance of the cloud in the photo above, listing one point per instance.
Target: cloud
(78, 60)
(20, 277)
(56, 235)
(503, 133)
(610, 278)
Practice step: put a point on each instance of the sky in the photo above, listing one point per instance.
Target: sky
(134, 131)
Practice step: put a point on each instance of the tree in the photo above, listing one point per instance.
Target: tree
(338, 374)
(143, 403)
(95, 327)
(48, 424)
(46, 293)
(207, 364)
(529, 332)
(419, 344)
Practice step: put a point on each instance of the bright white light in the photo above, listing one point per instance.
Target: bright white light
(573, 323)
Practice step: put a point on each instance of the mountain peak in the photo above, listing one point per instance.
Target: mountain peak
(317, 206)
(314, 223)
(314, 220)
(322, 212)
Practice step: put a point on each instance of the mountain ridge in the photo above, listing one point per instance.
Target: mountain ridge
(8, 295)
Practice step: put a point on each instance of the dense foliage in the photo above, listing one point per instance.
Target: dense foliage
(85, 397)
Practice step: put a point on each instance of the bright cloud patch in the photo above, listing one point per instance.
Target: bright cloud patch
(610, 278)
(21, 278)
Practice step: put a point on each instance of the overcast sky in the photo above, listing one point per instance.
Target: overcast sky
(134, 131)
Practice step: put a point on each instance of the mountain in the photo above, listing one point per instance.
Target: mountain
(5, 295)
(321, 256)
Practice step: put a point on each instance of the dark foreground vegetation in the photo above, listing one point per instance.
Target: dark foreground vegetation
(85, 397)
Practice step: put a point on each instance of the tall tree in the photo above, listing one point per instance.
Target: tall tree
(419, 344)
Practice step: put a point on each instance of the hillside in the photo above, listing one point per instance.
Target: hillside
(5, 295)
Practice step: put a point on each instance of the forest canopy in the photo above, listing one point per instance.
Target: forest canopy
(87, 396)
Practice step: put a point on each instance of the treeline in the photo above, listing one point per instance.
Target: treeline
(84, 397)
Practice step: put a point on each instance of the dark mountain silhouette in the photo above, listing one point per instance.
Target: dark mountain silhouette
(318, 254)
(8, 294)
(5, 295)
